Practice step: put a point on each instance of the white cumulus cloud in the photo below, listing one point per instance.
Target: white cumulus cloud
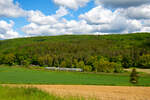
(41, 24)
(98, 20)
(38, 17)
(127, 17)
(6, 30)
(62, 11)
(121, 3)
(98, 15)
(10, 9)
(108, 21)
(140, 12)
(73, 4)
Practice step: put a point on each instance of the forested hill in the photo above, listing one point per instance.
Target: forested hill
(89, 52)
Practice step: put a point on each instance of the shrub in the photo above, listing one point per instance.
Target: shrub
(103, 65)
(80, 64)
(26, 63)
(87, 68)
(118, 68)
(134, 77)
(108, 67)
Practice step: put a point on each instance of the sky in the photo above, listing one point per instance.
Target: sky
(26, 18)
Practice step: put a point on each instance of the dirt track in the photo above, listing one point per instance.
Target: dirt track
(98, 92)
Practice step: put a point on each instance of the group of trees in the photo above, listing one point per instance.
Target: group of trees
(93, 63)
(109, 53)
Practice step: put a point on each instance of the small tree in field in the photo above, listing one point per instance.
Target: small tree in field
(134, 76)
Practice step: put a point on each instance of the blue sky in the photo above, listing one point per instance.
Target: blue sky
(46, 6)
(25, 18)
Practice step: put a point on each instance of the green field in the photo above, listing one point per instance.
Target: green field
(16, 75)
(30, 94)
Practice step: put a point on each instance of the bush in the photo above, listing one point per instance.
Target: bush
(103, 65)
(87, 68)
(80, 64)
(26, 63)
(108, 67)
(118, 68)
(134, 77)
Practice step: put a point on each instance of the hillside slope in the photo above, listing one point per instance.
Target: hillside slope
(85, 51)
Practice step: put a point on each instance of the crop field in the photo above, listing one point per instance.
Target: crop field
(75, 92)
(22, 93)
(16, 75)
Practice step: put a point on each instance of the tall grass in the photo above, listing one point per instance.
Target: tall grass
(20, 93)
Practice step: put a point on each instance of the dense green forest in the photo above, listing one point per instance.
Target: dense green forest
(100, 53)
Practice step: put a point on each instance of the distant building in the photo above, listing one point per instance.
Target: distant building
(64, 69)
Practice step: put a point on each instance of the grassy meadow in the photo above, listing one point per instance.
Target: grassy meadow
(17, 75)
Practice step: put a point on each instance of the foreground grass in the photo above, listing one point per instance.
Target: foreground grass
(10, 75)
(14, 93)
